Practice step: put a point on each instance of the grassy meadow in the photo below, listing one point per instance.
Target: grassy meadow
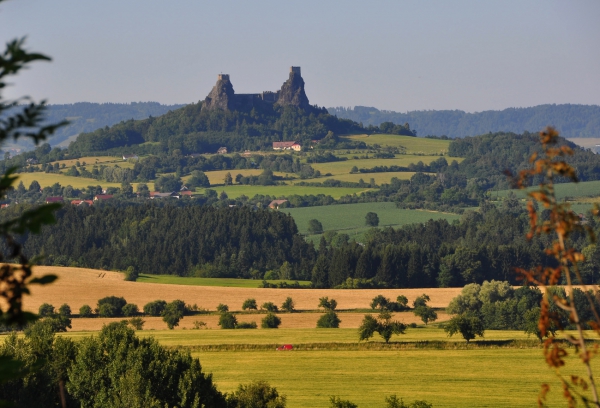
(352, 216)
(237, 190)
(413, 145)
(222, 282)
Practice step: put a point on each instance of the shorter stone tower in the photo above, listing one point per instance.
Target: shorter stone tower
(295, 70)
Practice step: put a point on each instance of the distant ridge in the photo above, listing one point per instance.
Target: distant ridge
(570, 120)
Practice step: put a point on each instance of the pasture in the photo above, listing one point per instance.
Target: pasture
(413, 145)
(223, 282)
(48, 179)
(352, 216)
(380, 178)
(344, 167)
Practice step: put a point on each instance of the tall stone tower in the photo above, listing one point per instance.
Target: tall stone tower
(222, 95)
(295, 70)
(292, 91)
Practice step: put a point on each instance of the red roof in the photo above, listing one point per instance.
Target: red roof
(103, 197)
(282, 145)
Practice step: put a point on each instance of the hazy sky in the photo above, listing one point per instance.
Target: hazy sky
(396, 55)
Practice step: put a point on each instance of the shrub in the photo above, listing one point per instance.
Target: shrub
(85, 311)
(221, 308)
(371, 219)
(315, 227)
(199, 324)
(136, 322)
(130, 309)
(131, 274)
(270, 321)
(113, 308)
(336, 402)
(155, 308)
(269, 307)
(256, 394)
(246, 325)
(249, 304)
(227, 321)
(45, 310)
(64, 310)
(288, 305)
(327, 304)
(329, 320)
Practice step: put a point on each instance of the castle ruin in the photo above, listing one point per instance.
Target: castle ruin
(223, 97)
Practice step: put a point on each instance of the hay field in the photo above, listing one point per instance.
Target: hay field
(224, 282)
(344, 167)
(288, 321)
(380, 178)
(412, 144)
(48, 179)
(79, 286)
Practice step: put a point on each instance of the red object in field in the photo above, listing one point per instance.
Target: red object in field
(285, 347)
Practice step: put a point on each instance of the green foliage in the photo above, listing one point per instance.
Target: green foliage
(467, 324)
(337, 402)
(173, 313)
(327, 304)
(288, 305)
(315, 227)
(269, 307)
(422, 310)
(86, 311)
(130, 309)
(155, 308)
(249, 304)
(221, 308)
(246, 325)
(131, 274)
(393, 402)
(270, 321)
(137, 323)
(257, 394)
(169, 378)
(371, 219)
(111, 306)
(383, 325)
(329, 320)
(227, 320)
(382, 303)
(64, 310)
(45, 310)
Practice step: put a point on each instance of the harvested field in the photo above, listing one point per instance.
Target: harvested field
(288, 321)
(79, 286)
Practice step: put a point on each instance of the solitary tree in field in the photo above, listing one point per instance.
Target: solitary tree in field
(467, 324)
(315, 227)
(327, 304)
(371, 219)
(249, 304)
(383, 325)
(288, 305)
(422, 310)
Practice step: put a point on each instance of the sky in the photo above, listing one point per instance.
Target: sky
(394, 55)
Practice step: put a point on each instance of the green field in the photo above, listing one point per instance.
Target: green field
(458, 376)
(563, 190)
(285, 191)
(344, 167)
(225, 282)
(419, 145)
(352, 216)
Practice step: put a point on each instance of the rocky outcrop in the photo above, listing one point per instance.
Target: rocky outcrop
(292, 92)
(222, 95)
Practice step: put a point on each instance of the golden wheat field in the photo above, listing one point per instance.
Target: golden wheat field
(79, 286)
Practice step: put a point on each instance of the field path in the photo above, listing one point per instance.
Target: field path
(79, 286)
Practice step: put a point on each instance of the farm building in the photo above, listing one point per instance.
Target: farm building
(222, 150)
(130, 157)
(102, 197)
(275, 204)
(287, 146)
(82, 202)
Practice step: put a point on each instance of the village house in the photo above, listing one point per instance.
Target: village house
(102, 197)
(157, 194)
(222, 150)
(130, 157)
(276, 203)
(287, 146)
(82, 202)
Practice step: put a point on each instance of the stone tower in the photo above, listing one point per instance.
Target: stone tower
(292, 91)
(222, 95)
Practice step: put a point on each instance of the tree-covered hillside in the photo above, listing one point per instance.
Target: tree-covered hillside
(87, 116)
(192, 129)
(569, 120)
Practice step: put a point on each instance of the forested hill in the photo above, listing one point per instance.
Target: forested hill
(87, 116)
(488, 156)
(192, 129)
(570, 120)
